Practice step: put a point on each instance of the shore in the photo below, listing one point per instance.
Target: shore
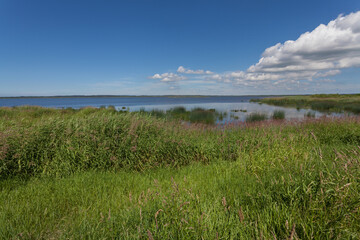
(319, 102)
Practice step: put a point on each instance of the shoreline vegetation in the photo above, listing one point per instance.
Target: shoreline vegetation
(320, 102)
(98, 173)
(132, 96)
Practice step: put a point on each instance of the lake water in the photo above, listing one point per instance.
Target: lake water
(223, 104)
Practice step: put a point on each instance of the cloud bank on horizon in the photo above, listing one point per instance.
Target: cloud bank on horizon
(312, 58)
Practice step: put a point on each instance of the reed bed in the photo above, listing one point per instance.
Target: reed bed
(103, 174)
(256, 117)
(319, 102)
(179, 113)
(278, 115)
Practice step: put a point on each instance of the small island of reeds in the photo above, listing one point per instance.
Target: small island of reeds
(319, 102)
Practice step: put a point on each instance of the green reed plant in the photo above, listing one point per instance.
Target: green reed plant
(309, 114)
(177, 110)
(157, 113)
(278, 115)
(200, 115)
(255, 117)
(353, 107)
(197, 115)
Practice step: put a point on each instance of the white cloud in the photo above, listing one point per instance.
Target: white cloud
(181, 69)
(328, 73)
(314, 55)
(304, 62)
(168, 77)
(328, 47)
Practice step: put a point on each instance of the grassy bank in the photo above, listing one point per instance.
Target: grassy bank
(98, 173)
(319, 102)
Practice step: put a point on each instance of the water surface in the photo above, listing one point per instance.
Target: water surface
(225, 104)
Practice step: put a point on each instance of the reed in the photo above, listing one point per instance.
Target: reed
(319, 102)
(74, 174)
(278, 115)
(309, 114)
(196, 115)
(255, 117)
(199, 115)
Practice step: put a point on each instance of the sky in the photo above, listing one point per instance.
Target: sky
(144, 47)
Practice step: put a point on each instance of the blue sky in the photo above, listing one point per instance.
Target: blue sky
(135, 47)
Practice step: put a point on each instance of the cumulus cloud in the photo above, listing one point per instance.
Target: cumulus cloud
(320, 53)
(168, 77)
(328, 47)
(311, 58)
(181, 69)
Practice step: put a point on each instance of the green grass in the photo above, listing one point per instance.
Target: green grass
(320, 102)
(102, 174)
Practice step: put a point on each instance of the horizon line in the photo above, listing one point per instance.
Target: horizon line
(164, 95)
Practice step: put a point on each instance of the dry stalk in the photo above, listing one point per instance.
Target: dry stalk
(241, 215)
(150, 235)
(292, 233)
(156, 214)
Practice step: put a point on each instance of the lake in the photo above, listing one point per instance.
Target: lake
(225, 104)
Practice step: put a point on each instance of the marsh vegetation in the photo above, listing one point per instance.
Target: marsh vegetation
(101, 173)
(319, 102)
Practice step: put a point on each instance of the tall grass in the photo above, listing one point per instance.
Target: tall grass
(255, 117)
(90, 174)
(196, 115)
(354, 108)
(278, 115)
(309, 114)
(200, 115)
(158, 113)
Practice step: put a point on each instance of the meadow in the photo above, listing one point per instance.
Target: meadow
(107, 174)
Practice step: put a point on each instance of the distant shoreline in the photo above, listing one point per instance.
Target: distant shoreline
(138, 96)
(166, 96)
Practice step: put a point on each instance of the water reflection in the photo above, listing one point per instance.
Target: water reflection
(237, 111)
